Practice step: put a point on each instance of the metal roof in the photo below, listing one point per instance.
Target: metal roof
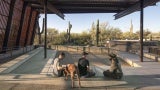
(60, 7)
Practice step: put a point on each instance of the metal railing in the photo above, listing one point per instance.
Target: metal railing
(14, 51)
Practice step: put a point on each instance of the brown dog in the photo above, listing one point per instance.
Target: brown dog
(71, 70)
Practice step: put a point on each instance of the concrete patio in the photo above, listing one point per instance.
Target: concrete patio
(35, 73)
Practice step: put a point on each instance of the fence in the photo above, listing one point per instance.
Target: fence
(15, 51)
(101, 50)
(95, 50)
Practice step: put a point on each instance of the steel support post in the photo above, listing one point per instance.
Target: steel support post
(141, 30)
(45, 44)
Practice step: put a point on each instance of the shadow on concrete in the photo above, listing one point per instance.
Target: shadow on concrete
(140, 81)
(34, 65)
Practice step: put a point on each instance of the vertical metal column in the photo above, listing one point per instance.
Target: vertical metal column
(141, 30)
(45, 44)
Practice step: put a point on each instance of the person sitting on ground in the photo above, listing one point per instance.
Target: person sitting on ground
(115, 70)
(83, 66)
(57, 66)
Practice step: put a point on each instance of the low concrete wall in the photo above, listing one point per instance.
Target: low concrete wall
(152, 56)
(129, 61)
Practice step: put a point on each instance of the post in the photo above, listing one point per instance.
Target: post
(23, 49)
(45, 44)
(141, 31)
(77, 48)
(101, 50)
(84, 49)
(89, 49)
(108, 50)
(11, 51)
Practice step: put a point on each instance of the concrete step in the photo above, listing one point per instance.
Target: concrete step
(90, 83)
(4, 77)
(51, 86)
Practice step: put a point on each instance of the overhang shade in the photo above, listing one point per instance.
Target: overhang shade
(52, 8)
(135, 7)
(60, 7)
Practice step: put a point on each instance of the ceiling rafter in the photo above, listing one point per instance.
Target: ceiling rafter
(134, 8)
(121, 7)
(50, 7)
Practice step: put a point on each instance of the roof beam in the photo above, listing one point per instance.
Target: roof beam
(76, 11)
(134, 8)
(94, 1)
(52, 9)
(30, 1)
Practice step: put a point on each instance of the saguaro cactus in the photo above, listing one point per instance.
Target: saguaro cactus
(68, 32)
(97, 33)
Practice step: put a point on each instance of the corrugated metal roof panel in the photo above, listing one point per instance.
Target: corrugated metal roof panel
(90, 6)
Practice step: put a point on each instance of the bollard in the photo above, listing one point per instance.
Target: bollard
(77, 48)
(108, 50)
(101, 50)
(156, 58)
(88, 49)
(57, 47)
(84, 49)
(23, 49)
(26, 49)
(11, 51)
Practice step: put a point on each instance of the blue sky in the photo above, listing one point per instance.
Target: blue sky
(83, 22)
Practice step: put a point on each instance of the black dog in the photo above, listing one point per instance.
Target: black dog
(115, 70)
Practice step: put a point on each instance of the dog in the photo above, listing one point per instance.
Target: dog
(72, 70)
(115, 70)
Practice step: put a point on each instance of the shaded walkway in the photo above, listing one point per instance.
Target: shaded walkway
(35, 64)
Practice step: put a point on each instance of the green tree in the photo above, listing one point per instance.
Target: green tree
(116, 33)
(146, 34)
(130, 36)
(51, 34)
(106, 33)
